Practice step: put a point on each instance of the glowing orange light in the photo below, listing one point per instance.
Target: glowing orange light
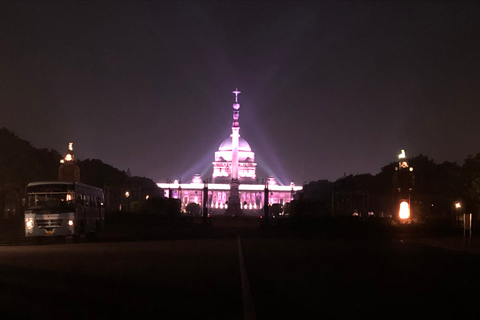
(29, 223)
(404, 210)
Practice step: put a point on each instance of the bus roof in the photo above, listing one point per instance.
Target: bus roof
(39, 183)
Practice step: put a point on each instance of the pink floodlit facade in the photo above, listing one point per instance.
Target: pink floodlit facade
(251, 195)
(234, 161)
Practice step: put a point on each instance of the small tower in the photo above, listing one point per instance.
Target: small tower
(69, 170)
(404, 180)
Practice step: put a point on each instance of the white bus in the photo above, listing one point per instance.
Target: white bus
(62, 209)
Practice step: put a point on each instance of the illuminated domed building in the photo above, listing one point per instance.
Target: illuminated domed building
(234, 186)
(222, 167)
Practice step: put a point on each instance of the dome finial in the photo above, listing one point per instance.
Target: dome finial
(236, 93)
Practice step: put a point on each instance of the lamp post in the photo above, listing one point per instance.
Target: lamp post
(205, 202)
(169, 188)
(458, 207)
(266, 211)
(127, 200)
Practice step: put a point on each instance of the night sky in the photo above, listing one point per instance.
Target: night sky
(328, 88)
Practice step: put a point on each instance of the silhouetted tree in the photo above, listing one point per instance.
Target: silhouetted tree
(21, 163)
(318, 189)
(470, 176)
(96, 173)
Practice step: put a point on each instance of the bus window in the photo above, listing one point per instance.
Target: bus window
(62, 201)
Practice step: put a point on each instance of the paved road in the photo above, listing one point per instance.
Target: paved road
(112, 280)
(290, 277)
(335, 278)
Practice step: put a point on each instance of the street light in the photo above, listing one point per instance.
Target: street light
(458, 206)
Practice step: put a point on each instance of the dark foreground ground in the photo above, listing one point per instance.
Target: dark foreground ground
(145, 268)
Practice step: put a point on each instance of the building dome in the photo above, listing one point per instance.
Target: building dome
(197, 179)
(242, 145)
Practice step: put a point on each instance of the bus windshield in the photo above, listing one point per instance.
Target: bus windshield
(59, 201)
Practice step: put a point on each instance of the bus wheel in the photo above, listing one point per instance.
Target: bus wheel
(78, 237)
(92, 236)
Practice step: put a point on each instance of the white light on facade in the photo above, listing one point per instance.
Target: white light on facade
(404, 210)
